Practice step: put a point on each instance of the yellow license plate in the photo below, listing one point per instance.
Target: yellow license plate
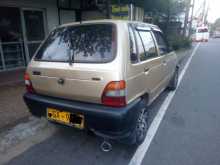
(75, 120)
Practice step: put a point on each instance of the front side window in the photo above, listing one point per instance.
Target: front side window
(162, 44)
(149, 45)
(92, 43)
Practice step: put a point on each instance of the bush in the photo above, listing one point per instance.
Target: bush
(178, 42)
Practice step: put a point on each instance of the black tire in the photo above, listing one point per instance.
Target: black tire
(138, 135)
(174, 81)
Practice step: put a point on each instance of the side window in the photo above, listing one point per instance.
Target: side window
(162, 43)
(133, 48)
(140, 47)
(149, 45)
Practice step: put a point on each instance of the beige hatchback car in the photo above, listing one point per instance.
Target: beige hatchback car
(101, 76)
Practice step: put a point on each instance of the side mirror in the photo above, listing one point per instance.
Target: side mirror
(134, 57)
(170, 49)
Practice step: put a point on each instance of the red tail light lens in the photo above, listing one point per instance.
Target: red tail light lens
(28, 83)
(114, 94)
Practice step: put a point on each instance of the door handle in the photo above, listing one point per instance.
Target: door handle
(164, 62)
(37, 73)
(146, 70)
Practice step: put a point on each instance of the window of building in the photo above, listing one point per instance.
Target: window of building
(148, 44)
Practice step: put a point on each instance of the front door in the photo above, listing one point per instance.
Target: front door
(34, 27)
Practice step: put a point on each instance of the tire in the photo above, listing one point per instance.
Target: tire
(174, 81)
(138, 135)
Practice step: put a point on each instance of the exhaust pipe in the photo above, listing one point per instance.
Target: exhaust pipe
(106, 146)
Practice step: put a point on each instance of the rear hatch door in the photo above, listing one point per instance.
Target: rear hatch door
(76, 62)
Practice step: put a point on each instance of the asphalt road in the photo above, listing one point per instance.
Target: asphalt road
(189, 133)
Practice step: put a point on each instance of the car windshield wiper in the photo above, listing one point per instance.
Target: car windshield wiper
(70, 53)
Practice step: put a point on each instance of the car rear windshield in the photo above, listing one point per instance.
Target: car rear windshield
(92, 43)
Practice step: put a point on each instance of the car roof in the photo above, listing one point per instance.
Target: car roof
(155, 27)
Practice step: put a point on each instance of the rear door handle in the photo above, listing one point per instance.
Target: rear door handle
(164, 62)
(36, 73)
(146, 70)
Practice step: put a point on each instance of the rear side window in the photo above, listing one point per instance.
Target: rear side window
(84, 44)
(162, 43)
(148, 44)
(133, 48)
(139, 45)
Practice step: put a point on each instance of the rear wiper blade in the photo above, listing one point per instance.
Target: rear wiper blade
(70, 47)
(69, 54)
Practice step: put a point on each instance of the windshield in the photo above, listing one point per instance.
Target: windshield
(84, 43)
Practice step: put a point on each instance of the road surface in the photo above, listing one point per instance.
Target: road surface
(188, 134)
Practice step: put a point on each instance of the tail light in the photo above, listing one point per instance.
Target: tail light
(114, 94)
(28, 83)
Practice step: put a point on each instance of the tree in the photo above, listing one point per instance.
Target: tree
(217, 23)
(164, 10)
(139, 3)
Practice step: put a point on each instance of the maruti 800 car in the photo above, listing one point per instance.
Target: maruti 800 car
(101, 76)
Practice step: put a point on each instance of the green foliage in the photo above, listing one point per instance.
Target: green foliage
(139, 3)
(179, 41)
(216, 25)
(165, 7)
(165, 14)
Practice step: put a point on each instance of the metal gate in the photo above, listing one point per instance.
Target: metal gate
(21, 32)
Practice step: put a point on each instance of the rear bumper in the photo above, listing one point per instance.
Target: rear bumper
(108, 122)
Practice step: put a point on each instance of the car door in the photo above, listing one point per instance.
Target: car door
(169, 57)
(147, 73)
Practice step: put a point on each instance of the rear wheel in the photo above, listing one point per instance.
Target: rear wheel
(174, 81)
(138, 135)
(142, 127)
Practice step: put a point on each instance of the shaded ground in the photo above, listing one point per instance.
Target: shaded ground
(11, 77)
(12, 107)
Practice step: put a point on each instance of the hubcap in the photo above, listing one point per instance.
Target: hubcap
(142, 125)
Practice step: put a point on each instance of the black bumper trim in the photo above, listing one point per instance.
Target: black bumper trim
(111, 122)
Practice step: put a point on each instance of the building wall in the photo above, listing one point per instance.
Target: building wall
(138, 14)
(92, 15)
(49, 5)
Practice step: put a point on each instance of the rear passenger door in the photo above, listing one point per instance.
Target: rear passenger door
(169, 57)
(153, 64)
(146, 70)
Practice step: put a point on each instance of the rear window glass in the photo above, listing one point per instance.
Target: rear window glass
(202, 30)
(81, 44)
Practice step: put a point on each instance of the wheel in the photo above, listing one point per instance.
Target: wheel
(174, 81)
(138, 135)
(142, 127)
